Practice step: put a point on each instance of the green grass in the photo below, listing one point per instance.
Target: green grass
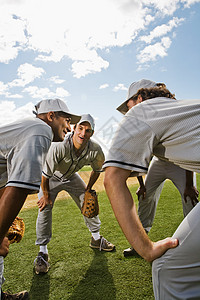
(79, 272)
(86, 168)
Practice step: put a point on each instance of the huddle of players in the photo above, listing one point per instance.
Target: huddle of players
(60, 161)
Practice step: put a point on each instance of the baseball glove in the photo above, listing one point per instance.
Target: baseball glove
(90, 207)
(16, 231)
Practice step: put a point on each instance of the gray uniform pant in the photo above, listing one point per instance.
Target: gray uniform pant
(75, 186)
(1, 273)
(176, 274)
(158, 172)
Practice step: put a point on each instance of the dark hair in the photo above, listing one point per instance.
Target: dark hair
(61, 114)
(159, 91)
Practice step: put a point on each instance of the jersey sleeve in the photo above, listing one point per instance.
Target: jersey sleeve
(25, 162)
(55, 154)
(132, 146)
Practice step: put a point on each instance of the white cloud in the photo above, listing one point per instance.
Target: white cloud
(61, 93)
(188, 3)
(82, 68)
(4, 91)
(119, 87)
(165, 7)
(3, 88)
(161, 30)
(44, 93)
(9, 113)
(63, 35)
(79, 30)
(27, 73)
(151, 52)
(15, 96)
(104, 86)
(12, 36)
(56, 79)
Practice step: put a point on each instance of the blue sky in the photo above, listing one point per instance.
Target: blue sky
(89, 52)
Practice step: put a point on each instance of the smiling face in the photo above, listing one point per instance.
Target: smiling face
(60, 126)
(82, 134)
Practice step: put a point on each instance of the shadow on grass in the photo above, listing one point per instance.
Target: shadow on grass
(98, 282)
(40, 287)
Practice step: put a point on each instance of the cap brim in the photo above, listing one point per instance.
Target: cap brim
(123, 108)
(74, 118)
(85, 120)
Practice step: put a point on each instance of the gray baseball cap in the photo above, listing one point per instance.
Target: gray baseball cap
(48, 105)
(87, 118)
(133, 88)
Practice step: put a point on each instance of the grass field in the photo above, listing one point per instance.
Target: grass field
(79, 272)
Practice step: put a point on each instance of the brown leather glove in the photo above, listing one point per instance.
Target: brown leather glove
(16, 231)
(90, 207)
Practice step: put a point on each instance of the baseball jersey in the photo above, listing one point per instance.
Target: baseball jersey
(62, 162)
(167, 128)
(23, 149)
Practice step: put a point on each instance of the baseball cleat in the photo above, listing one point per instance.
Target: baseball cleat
(41, 263)
(19, 296)
(130, 252)
(102, 244)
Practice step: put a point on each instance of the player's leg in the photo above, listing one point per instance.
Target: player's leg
(5, 295)
(154, 182)
(176, 274)
(178, 176)
(1, 272)
(44, 228)
(75, 186)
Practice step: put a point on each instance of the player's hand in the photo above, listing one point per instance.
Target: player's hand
(141, 192)
(160, 247)
(191, 194)
(4, 247)
(43, 202)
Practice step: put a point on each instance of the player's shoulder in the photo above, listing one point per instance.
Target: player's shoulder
(28, 128)
(36, 125)
(93, 145)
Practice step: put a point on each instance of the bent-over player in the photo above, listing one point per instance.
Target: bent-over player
(23, 148)
(63, 162)
(160, 170)
(170, 130)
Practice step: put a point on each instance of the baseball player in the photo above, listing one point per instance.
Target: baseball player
(149, 194)
(23, 148)
(170, 130)
(63, 162)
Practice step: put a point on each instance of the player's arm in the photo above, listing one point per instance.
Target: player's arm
(4, 247)
(93, 178)
(126, 214)
(55, 154)
(11, 202)
(141, 192)
(45, 199)
(190, 189)
(97, 167)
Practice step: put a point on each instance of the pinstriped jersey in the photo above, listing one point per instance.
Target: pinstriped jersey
(23, 148)
(166, 128)
(62, 162)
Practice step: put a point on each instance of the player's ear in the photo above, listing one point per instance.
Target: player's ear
(50, 116)
(139, 99)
